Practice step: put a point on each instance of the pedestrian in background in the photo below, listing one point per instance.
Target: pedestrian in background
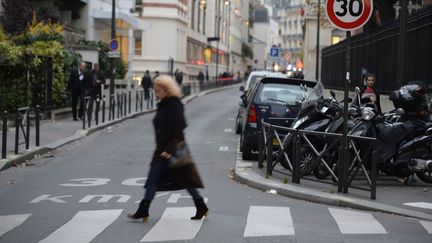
(169, 123)
(94, 90)
(178, 75)
(76, 85)
(369, 94)
(201, 78)
(147, 85)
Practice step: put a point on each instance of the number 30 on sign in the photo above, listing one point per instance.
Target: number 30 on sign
(349, 14)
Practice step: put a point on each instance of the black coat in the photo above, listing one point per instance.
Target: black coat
(94, 88)
(76, 85)
(169, 124)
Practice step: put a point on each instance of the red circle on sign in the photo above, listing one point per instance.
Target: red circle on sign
(367, 12)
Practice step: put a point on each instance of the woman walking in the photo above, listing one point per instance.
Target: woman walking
(169, 124)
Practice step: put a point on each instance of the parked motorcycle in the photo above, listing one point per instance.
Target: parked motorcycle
(402, 148)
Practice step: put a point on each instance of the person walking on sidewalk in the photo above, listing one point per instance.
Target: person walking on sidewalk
(169, 123)
(147, 85)
(76, 85)
(94, 90)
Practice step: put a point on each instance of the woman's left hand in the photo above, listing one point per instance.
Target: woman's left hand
(166, 155)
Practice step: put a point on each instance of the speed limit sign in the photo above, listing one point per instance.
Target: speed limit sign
(349, 14)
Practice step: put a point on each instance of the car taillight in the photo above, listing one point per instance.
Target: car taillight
(252, 117)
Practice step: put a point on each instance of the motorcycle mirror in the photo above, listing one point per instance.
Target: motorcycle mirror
(332, 93)
(242, 88)
(400, 111)
(352, 111)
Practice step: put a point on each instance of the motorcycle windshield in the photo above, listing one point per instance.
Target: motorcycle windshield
(311, 101)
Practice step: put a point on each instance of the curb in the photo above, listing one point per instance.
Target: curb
(244, 174)
(31, 154)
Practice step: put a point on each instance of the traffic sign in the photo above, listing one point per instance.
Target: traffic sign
(113, 54)
(349, 14)
(274, 51)
(113, 45)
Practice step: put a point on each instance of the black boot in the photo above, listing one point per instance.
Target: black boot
(202, 209)
(142, 211)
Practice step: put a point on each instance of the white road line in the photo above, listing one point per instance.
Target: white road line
(425, 205)
(175, 224)
(231, 119)
(352, 222)
(9, 222)
(175, 197)
(84, 226)
(268, 221)
(427, 225)
(223, 148)
(228, 130)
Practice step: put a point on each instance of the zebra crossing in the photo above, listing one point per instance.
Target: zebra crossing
(175, 224)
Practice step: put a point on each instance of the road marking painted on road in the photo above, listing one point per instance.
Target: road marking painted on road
(134, 181)
(223, 148)
(9, 222)
(427, 225)
(420, 205)
(228, 130)
(84, 226)
(352, 222)
(231, 119)
(175, 224)
(175, 197)
(88, 182)
(268, 221)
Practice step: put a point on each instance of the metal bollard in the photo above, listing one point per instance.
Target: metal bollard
(124, 104)
(136, 101)
(37, 133)
(16, 131)
(27, 138)
(130, 100)
(118, 105)
(296, 161)
(261, 148)
(97, 106)
(142, 100)
(103, 109)
(4, 140)
(270, 151)
(373, 176)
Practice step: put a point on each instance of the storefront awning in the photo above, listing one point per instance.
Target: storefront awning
(136, 23)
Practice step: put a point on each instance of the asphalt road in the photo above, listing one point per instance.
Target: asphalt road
(83, 192)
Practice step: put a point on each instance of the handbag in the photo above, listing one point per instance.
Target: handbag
(181, 158)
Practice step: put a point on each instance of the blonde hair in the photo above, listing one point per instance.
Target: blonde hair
(169, 84)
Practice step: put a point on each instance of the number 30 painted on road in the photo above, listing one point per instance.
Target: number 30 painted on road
(349, 14)
(85, 182)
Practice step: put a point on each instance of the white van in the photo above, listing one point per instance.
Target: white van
(258, 75)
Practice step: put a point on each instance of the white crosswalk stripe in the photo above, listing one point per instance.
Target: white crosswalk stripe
(9, 222)
(425, 205)
(352, 222)
(84, 226)
(268, 221)
(175, 224)
(427, 225)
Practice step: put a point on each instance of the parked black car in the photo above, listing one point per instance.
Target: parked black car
(276, 101)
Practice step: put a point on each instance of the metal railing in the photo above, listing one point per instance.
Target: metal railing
(22, 128)
(284, 145)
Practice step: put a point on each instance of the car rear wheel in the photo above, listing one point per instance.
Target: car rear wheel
(238, 126)
(245, 149)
